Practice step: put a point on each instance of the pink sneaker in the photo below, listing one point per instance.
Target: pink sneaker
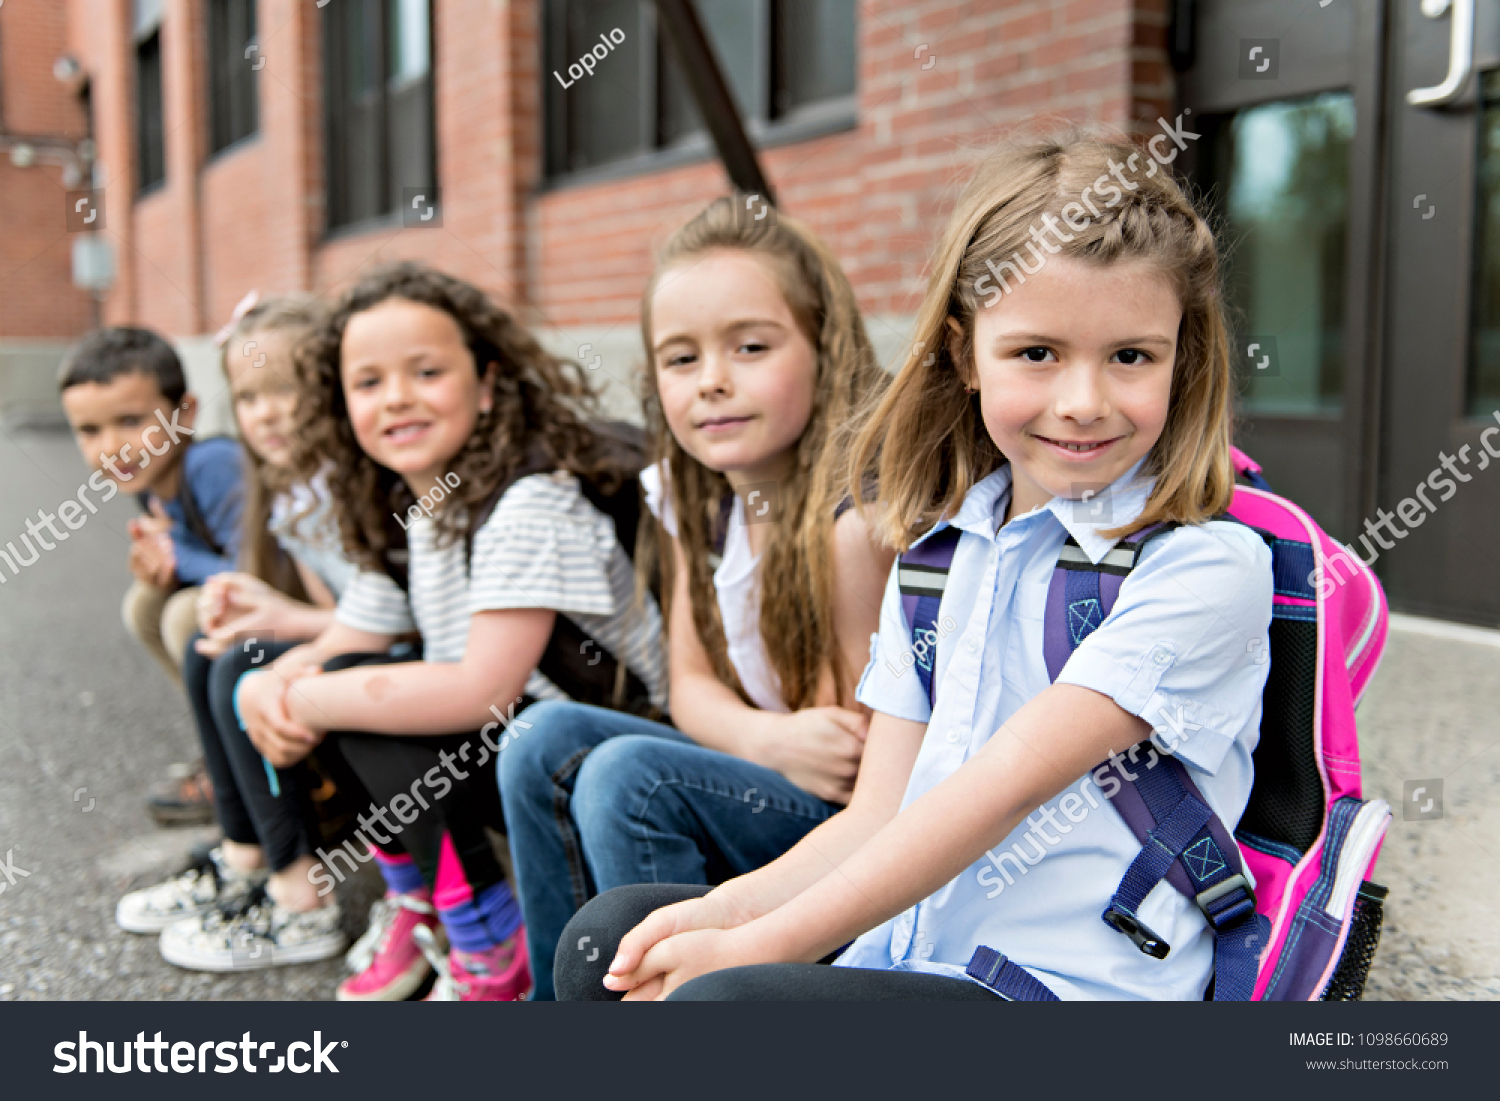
(503, 974)
(388, 965)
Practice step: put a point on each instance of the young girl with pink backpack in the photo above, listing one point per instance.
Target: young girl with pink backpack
(1112, 752)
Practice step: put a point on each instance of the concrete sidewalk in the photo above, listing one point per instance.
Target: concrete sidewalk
(1430, 714)
(87, 723)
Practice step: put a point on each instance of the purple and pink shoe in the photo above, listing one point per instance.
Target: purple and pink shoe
(501, 974)
(388, 964)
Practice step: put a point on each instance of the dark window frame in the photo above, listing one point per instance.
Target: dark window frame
(150, 114)
(340, 219)
(233, 81)
(765, 126)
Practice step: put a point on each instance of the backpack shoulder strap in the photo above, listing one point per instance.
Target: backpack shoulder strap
(192, 515)
(1182, 840)
(922, 575)
(1083, 593)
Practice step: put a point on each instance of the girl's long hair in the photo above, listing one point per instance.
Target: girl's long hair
(541, 402)
(927, 437)
(293, 317)
(796, 570)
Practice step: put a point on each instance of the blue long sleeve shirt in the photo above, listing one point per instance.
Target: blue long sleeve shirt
(212, 471)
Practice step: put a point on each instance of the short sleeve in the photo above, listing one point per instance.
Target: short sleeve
(658, 499)
(889, 683)
(1183, 647)
(373, 602)
(545, 546)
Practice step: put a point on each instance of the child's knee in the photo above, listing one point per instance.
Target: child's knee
(141, 611)
(531, 755)
(179, 621)
(614, 783)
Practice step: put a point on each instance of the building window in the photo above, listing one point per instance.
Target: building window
(378, 88)
(786, 61)
(151, 144)
(1484, 352)
(233, 60)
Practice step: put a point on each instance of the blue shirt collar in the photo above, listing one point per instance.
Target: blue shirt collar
(1117, 504)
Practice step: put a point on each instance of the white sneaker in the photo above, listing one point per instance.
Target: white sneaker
(189, 894)
(257, 934)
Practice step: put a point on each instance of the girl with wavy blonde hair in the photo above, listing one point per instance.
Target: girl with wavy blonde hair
(757, 362)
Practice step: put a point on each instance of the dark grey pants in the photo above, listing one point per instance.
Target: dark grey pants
(588, 946)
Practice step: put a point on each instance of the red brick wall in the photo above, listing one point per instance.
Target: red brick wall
(879, 193)
(578, 256)
(37, 297)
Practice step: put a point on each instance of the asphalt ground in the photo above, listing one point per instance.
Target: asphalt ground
(88, 723)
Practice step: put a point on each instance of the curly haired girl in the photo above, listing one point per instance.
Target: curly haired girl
(423, 393)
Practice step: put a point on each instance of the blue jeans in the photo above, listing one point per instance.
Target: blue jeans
(596, 799)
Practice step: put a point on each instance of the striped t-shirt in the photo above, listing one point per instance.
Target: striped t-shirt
(544, 546)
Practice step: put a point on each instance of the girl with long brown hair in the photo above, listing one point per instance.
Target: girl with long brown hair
(456, 452)
(1073, 422)
(757, 358)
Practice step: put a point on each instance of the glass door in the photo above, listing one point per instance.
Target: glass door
(1439, 479)
(1286, 96)
(1362, 238)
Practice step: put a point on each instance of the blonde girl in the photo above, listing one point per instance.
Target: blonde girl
(1089, 402)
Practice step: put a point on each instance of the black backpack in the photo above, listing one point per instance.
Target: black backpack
(575, 662)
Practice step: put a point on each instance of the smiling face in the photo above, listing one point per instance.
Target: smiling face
(411, 387)
(734, 371)
(1074, 371)
(265, 396)
(116, 426)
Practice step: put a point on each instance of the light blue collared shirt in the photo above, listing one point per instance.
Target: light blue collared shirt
(1185, 648)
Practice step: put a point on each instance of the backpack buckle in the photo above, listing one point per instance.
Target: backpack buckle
(1140, 934)
(1219, 890)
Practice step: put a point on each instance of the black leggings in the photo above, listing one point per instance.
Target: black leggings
(588, 946)
(285, 826)
(462, 796)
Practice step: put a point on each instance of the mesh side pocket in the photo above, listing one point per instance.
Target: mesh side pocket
(1348, 982)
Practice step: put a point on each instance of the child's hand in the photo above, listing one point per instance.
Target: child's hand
(712, 911)
(819, 749)
(262, 701)
(153, 560)
(678, 960)
(234, 604)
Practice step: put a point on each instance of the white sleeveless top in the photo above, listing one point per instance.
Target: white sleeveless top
(737, 584)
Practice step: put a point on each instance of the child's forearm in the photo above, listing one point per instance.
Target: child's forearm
(816, 856)
(1048, 744)
(906, 860)
(712, 715)
(298, 620)
(412, 697)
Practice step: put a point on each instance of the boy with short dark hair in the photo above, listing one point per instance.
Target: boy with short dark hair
(127, 402)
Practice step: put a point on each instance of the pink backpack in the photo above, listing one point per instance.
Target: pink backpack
(1309, 928)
